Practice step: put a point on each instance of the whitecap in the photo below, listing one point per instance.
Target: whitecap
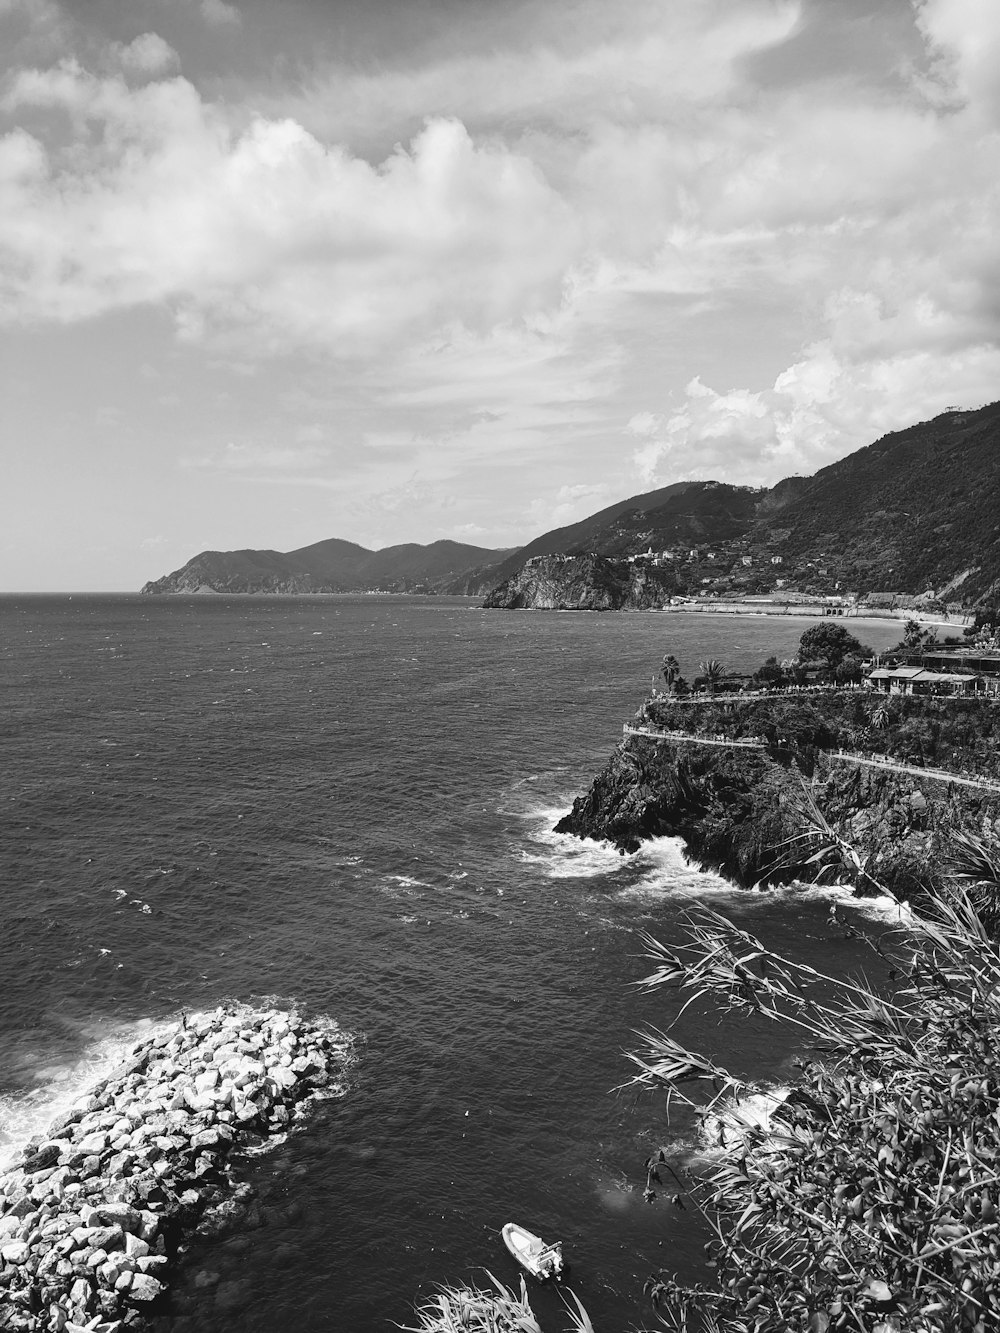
(736, 1119)
(25, 1114)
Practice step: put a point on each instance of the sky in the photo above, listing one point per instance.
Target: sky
(402, 270)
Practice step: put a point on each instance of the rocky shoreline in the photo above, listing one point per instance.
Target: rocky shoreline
(96, 1215)
(740, 811)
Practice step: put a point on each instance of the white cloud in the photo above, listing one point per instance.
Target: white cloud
(218, 13)
(267, 228)
(148, 54)
(493, 281)
(817, 410)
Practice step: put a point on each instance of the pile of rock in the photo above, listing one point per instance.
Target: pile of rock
(92, 1218)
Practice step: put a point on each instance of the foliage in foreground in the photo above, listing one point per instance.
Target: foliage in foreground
(467, 1309)
(872, 1202)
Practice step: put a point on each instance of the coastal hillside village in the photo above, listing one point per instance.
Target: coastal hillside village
(752, 571)
(721, 575)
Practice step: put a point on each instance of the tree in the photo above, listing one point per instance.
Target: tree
(831, 643)
(771, 673)
(880, 717)
(712, 673)
(913, 634)
(671, 670)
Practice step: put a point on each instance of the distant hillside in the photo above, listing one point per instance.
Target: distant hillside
(914, 515)
(919, 509)
(328, 566)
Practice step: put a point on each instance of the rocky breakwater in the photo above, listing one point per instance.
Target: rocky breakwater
(94, 1217)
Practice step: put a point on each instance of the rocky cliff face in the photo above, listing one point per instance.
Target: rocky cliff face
(583, 583)
(742, 812)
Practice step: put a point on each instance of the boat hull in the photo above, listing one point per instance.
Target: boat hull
(543, 1261)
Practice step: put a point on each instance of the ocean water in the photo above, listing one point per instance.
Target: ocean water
(345, 804)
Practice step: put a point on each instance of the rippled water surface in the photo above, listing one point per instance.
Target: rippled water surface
(345, 804)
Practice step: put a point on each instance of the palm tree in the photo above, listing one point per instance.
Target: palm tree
(671, 670)
(712, 671)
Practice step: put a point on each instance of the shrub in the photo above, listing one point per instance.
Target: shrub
(872, 1203)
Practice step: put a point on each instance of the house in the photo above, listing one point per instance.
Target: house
(918, 680)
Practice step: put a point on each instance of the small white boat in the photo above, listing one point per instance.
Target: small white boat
(531, 1252)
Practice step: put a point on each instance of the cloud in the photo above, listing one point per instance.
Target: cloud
(147, 54)
(219, 14)
(582, 197)
(816, 411)
(254, 458)
(267, 230)
(569, 504)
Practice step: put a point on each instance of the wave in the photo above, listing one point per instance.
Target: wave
(563, 855)
(727, 1128)
(27, 1113)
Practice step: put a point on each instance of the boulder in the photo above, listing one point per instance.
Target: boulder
(42, 1157)
(144, 1288)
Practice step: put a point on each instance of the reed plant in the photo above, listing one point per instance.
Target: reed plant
(871, 1201)
(495, 1309)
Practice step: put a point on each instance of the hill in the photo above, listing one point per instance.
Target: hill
(328, 566)
(919, 509)
(914, 517)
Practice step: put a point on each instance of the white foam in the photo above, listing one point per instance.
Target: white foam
(563, 855)
(25, 1114)
(728, 1127)
(402, 886)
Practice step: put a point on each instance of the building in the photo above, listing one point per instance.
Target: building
(917, 680)
(777, 559)
(948, 674)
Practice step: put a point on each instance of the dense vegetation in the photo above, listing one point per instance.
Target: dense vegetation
(957, 734)
(871, 1204)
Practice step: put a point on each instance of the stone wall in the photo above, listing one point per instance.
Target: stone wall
(92, 1218)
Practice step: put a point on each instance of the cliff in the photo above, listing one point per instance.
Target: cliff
(583, 583)
(743, 811)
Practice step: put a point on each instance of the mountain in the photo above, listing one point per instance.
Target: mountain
(919, 509)
(328, 566)
(916, 515)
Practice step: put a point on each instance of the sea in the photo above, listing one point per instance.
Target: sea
(345, 805)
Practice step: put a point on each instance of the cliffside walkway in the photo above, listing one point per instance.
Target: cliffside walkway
(935, 774)
(844, 756)
(655, 734)
(696, 700)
